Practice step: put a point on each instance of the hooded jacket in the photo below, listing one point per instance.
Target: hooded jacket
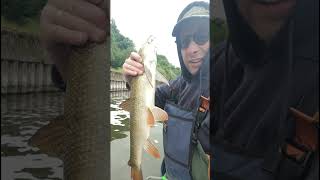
(186, 90)
(254, 84)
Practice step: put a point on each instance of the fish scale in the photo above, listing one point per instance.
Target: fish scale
(142, 110)
(87, 151)
(81, 136)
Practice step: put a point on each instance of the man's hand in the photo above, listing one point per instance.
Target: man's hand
(72, 22)
(132, 66)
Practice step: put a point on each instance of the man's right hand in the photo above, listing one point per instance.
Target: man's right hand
(72, 22)
(132, 66)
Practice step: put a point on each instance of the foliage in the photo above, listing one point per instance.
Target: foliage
(20, 10)
(166, 69)
(121, 47)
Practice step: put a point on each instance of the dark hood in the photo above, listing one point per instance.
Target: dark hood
(250, 49)
(195, 10)
(260, 82)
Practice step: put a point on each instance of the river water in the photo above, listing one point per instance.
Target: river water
(23, 115)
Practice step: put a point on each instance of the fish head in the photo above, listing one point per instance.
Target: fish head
(148, 53)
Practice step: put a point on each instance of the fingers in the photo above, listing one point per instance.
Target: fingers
(73, 22)
(133, 65)
(132, 68)
(84, 10)
(136, 57)
(59, 34)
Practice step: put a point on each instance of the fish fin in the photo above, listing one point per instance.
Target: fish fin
(159, 114)
(125, 105)
(316, 117)
(148, 75)
(136, 174)
(151, 149)
(161, 78)
(150, 119)
(50, 139)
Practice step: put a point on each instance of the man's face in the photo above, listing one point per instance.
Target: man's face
(194, 41)
(266, 17)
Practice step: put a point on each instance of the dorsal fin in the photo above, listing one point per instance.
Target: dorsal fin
(50, 139)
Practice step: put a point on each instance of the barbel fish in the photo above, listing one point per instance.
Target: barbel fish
(143, 112)
(81, 136)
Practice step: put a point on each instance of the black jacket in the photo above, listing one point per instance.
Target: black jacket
(185, 92)
(254, 85)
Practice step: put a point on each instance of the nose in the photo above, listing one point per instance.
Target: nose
(192, 48)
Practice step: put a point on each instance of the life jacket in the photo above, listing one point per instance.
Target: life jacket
(184, 156)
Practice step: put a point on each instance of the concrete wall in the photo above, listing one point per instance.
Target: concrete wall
(25, 68)
(26, 77)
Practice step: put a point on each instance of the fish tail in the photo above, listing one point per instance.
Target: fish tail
(136, 174)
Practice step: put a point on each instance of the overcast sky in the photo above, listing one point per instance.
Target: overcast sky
(137, 19)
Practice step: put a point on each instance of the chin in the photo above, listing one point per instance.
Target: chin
(194, 71)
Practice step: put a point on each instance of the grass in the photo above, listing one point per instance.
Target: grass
(31, 25)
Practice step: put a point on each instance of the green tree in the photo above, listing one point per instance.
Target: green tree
(121, 46)
(19, 10)
(166, 69)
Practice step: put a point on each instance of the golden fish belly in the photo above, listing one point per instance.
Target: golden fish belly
(142, 96)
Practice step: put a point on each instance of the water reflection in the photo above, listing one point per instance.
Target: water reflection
(119, 120)
(23, 115)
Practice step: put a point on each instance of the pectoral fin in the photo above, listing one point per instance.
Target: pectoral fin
(136, 174)
(151, 149)
(50, 139)
(161, 78)
(150, 119)
(159, 114)
(125, 105)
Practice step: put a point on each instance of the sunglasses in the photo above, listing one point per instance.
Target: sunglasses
(199, 38)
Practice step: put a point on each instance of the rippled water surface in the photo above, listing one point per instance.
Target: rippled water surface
(23, 115)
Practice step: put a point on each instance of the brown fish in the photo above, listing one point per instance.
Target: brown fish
(143, 112)
(81, 136)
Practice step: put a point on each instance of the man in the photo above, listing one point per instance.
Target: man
(66, 23)
(268, 66)
(184, 156)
